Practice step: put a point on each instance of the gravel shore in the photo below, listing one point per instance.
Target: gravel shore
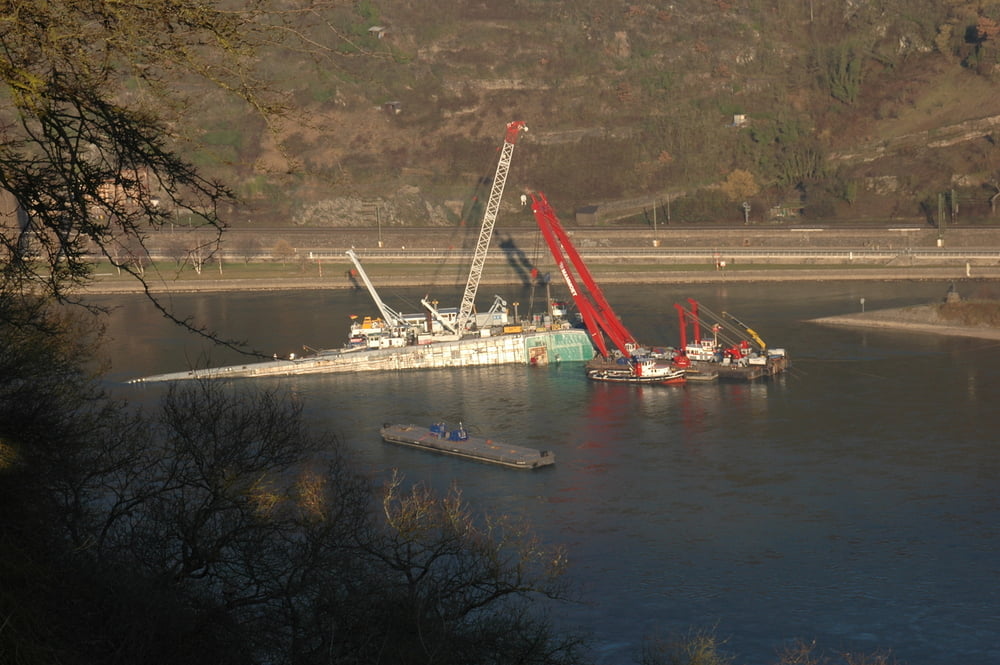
(918, 318)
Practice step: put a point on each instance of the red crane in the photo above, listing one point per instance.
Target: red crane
(597, 314)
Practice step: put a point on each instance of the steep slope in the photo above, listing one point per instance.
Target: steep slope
(827, 112)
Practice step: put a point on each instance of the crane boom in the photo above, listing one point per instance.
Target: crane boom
(750, 331)
(391, 316)
(514, 130)
(443, 320)
(598, 316)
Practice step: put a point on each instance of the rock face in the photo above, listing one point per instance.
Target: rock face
(407, 206)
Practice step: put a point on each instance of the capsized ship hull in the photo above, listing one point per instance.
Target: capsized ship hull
(527, 348)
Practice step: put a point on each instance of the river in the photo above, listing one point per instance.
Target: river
(852, 501)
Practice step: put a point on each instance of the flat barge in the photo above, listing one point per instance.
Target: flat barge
(458, 442)
(526, 348)
(738, 371)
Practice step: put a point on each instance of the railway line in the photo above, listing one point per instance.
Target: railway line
(860, 255)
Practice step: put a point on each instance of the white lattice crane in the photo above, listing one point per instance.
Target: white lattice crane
(389, 315)
(514, 130)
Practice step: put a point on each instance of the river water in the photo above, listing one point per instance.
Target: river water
(853, 501)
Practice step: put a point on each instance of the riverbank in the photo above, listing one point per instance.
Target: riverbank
(418, 276)
(921, 318)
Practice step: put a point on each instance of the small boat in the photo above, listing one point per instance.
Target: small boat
(439, 438)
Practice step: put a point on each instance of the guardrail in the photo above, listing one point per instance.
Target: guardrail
(602, 255)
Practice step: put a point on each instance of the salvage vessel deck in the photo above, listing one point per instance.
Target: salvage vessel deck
(739, 372)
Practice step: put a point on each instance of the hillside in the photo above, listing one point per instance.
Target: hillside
(883, 110)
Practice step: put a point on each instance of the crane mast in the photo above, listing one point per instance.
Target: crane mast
(489, 220)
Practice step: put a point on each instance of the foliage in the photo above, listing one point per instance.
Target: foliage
(786, 152)
(841, 70)
(971, 313)
(739, 185)
(800, 652)
(695, 648)
(818, 203)
(452, 589)
(222, 531)
(105, 107)
(49, 409)
(655, 81)
(88, 162)
(707, 205)
(847, 190)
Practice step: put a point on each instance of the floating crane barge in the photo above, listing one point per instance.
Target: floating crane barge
(723, 354)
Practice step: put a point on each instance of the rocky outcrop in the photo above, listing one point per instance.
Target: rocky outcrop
(407, 206)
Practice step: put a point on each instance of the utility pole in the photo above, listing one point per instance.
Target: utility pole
(656, 239)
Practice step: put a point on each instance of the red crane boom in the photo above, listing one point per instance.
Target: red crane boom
(597, 314)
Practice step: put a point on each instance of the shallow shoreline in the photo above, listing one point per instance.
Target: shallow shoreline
(919, 318)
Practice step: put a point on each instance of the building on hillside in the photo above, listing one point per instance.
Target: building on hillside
(124, 192)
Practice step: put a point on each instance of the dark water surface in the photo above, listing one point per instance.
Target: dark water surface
(853, 501)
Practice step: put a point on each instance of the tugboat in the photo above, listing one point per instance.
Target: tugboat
(636, 370)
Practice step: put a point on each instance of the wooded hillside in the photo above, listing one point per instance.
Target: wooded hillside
(880, 110)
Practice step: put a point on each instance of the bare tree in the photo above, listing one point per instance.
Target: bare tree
(445, 587)
(231, 514)
(94, 123)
